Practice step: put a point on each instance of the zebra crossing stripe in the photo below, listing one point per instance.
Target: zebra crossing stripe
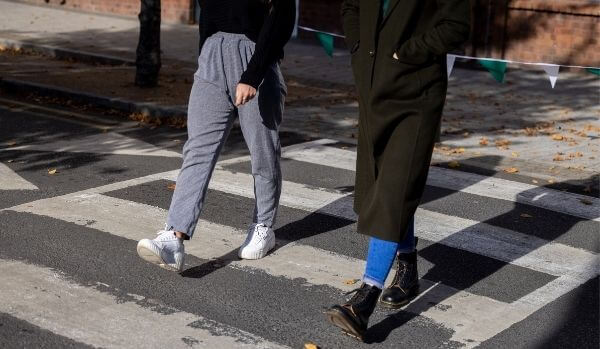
(45, 298)
(12, 181)
(569, 203)
(100, 143)
(484, 239)
(458, 310)
(473, 318)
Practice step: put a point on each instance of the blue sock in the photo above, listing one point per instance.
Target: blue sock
(381, 256)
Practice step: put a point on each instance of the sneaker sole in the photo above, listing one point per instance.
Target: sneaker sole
(339, 320)
(149, 254)
(257, 254)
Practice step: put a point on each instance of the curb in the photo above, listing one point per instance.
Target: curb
(151, 109)
(63, 53)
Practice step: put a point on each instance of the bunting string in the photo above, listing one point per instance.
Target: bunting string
(496, 66)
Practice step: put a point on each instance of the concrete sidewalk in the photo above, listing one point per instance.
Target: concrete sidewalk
(523, 127)
(117, 37)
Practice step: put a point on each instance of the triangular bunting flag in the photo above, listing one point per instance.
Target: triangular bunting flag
(327, 42)
(496, 68)
(552, 71)
(450, 64)
(594, 70)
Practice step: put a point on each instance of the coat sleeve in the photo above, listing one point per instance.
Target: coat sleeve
(205, 27)
(275, 33)
(451, 29)
(351, 22)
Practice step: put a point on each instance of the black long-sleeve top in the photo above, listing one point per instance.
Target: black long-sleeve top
(267, 23)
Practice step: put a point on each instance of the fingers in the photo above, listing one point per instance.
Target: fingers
(244, 94)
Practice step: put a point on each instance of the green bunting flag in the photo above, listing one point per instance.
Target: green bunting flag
(496, 68)
(593, 71)
(327, 42)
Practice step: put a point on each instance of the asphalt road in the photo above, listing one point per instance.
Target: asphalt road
(503, 263)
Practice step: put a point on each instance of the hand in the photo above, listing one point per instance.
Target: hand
(243, 94)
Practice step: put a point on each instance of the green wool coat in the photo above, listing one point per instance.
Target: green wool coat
(400, 101)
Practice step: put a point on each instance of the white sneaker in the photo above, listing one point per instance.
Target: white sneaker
(166, 250)
(260, 240)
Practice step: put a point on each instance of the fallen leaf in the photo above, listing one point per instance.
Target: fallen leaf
(557, 157)
(171, 186)
(514, 154)
(453, 164)
(557, 137)
(551, 181)
(483, 141)
(52, 171)
(9, 161)
(586, 202)
(351, 281)
(525, 215)
(511, 170)
(502, 143)
(310, 346)
(534, 181)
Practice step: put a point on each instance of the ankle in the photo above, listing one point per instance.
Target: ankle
(181, 236)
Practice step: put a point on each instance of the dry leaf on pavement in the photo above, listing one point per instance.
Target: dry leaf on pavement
(511, 170)
(351, 281)
(515, 154)
(483, 141)
(171, 186)
(310, 346)
(52, 171)
(453, 164)
(557, 137)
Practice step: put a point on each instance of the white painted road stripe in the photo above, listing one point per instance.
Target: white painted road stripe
(473, 317)
(569, 203)
(10, 180)
(45, 298)
(101, 143)
(495, 242)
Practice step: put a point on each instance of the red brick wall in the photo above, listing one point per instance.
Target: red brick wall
(553, 31)
(562, 32)
(174, 11)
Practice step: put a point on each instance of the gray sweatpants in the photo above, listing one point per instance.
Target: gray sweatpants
(211, 113)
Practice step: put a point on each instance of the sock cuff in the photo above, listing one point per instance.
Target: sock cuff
(370, 281)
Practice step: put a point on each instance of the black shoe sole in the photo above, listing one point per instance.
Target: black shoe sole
(341, 320)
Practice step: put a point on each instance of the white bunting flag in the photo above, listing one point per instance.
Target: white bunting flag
(450, 63)
(552, 71)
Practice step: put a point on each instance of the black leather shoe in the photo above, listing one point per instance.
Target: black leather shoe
(353, 317)
(405, 285)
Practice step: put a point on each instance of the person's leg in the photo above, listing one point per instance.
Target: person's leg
(380, 258)
(409, 243)
(353, 316)
(210, 117)
(405, 285)
(259, 121)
